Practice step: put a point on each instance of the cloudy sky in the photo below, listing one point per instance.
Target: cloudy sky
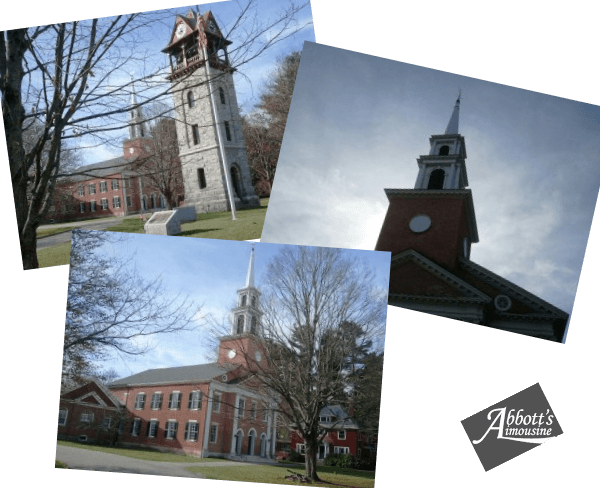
(358, 123)
(249, 78)
(209, 272)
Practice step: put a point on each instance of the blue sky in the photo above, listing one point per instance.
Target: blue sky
(249, 79)
(210, 272)
(357, 124)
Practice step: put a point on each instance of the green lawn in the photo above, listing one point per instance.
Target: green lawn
(55, 255)
(216, 225)
(141, 453)
(52, 231)
(276, 474)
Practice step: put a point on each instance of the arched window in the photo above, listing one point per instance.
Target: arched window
(263, 445)
(251, 440)
(244, 300)
(191, 101)
(235, 179)
(222, 95)
(239, 437)
(436, 180)
(253, 324)
(240, 324)
(444, 150)
(253, 301)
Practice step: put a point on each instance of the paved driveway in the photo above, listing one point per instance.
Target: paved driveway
(101, 461)
(57, 239)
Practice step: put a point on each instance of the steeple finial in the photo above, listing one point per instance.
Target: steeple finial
(137, 122)
(250, 275)
(453, 123)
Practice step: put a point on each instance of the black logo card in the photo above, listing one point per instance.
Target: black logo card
(511, 427)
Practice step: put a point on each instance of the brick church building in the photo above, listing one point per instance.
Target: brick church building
(211, 171)
(430, 229)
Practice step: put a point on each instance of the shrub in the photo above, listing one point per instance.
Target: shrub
(295, 457)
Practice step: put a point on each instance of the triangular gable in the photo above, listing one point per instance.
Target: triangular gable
(412, 273)
(503, 286)
(92, 393)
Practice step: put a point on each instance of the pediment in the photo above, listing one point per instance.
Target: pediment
(91, 398)
(412, 273)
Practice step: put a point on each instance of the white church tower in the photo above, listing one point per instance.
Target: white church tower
(209, 129)
(245, 318)
(444, 167)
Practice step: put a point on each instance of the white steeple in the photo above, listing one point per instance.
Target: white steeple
(137, 124)
(250, 275)
(453, 123)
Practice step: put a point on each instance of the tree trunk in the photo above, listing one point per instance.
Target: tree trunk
(310, 461)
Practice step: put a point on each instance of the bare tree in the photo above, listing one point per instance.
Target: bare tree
(311, 297)
(264, 128)
(69, 77)
(111, 309)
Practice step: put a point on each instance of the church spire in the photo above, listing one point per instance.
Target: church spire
(137, 124)
(453, 123)
(250, 275)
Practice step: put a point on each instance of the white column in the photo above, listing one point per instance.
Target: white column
(235, 422)
(274, 435)
(207, 419)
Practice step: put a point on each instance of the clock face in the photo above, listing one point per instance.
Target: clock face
(131, 150)
(420, 223)
(232, 353)
(180, 31)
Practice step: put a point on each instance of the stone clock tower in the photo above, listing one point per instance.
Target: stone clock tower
(209, 130)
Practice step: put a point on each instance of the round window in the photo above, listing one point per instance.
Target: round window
(420, 223)
(502, 303)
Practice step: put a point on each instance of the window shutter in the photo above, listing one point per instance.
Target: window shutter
(175, 431)
(160, 397)
(171, 400)
(199, 400)
(148, 429)
(166, 429)
(178, 401)
(190, 401)
(131, 428)
(187, 431)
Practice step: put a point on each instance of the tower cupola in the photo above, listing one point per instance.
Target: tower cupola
(245, 318)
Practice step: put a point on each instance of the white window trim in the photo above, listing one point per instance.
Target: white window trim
(135, 432)
(92, 205)
(103, 187)
(64, 422)
(339, 437)
(104, 203)
(199, 405)
(301, 448)
(189, 423)
(135, 401)
(177, 402)
(210, 439)
(152, 400)
(167, 429)
(89, 414)
(155, 421)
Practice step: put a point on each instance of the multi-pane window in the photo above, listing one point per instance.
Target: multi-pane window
(140, 401)
(241, 408)
(116, 202)
(129, 201)
(93, 206)
(152, 428)
(195, 400)
(156, 403)
(80, 191)
(196, 134)
(86, 417)
(92, 189)
(114, 184)
(227, 131)
(253, 411)
(106, 423)
(222, 95)
(136, 426)
(175, 400)
(191, 431)
(213, 433)
(300, 448)
(341, 450)
(216, 402)
(103, 187)
(171, 429)
(341, 435)
(201, 178)
(82, 207)
(62, 416)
